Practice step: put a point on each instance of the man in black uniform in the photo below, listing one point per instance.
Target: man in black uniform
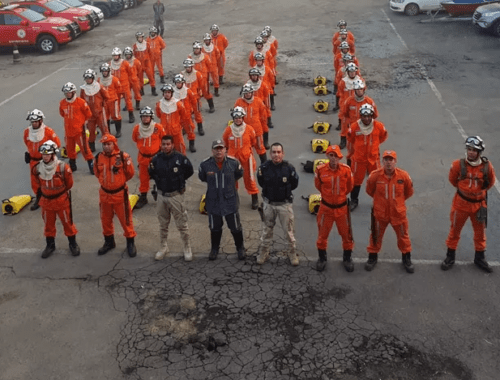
(221, 173)
(170, 170)
(277, 178)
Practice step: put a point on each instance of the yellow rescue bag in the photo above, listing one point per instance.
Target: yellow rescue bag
(15, 204)
(319, 145)
(319, 81)
(321, 127)
(321, 106)
(320, 162)
(320, 90)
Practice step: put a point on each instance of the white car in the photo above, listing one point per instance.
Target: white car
(414, 7)
(79, 4)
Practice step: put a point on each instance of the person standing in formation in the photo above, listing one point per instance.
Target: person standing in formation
(188, 100)
(142, 53)
(112, 86)
(156, 47)
(121, 69)
(194, 80)
(203, 64)
(171, 113)
(136, 83)
(222, 43)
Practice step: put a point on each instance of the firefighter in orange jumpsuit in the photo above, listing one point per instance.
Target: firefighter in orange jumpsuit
(156, 47)
(193, 80)
(269, 47)
(113, 169)
(210, 49)
(259, 48)
(190, 103)
(239, 139)
(121, 69)
(256, 116)
(262, 90)
(147, 135)
(75, 112)
(171, 113)
(342, 25)
(389, 187)
(341, 72)
(334, 181)
(203, 64)
(268, 76)
(343, 36)
(142, 53)
(473, 176)
(112, 86)
(96, 97)
(34, 136)
(222, 43)
(363, 143)
(344, 48)
(273, 41)
(136, 68)
(55, 180)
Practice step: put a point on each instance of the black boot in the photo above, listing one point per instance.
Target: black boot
(72, 165)
(50, 248)
(238, 241)
(270, 123)
(336, 108)
(263, 158)
(73, 246)
(216, 91)
(343, 142)
(211, 105)
(124, 108)
(339, 126)
(407, 262)
(131, 118)
(354, 197)
(192, 149)
(372, 261)
(215, 237)
(255, 201)
(221, 79)
(92, 146)
(142, 91)
(90, 163)
(36, 206)
(162, 80)
(153, 91)
(273, 107)
(201, 132)
(109, 244)
(108, 123)
(481, 262)
(335, 87)
(321, 263)
(131, 249)
(266, 140)
(449, 260)
(137, 105)
(143, 200)
(347, 260)
(118, 127)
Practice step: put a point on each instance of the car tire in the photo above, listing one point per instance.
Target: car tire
(106, 11)
(47, 44)
(412, 9)
(496, 28)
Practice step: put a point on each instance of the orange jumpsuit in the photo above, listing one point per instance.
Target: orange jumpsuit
(190, 103)
(148, 144)
(334, 186)
(341, 71)
(203, 64)
(268, 59)
(222, 43)
(214, 54)
(338, 61)
(135, 83)
(241, 149)
(349, 112)
(113, 171)
(194, 81)
(96, 97)
(364, 149)
(350, 37)
(473, 188)
(267, 76)
(256, 116)
(171, 113)
(56, 199)
(156, 46)
(124, 73)
(112, 106)
(346, 88)
(75, 114)
(33, 142)
(142, 53)
(263, 91)
(336, 43)
(389, 207)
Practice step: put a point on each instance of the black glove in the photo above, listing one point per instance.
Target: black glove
(27, 157)
(349, 162)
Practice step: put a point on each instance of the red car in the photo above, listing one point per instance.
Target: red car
(54, 8)
(24, 27)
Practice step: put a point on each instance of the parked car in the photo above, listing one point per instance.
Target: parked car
(91, 8)
(54, 8)
(414, 7)
(487, 18)
(24, 27)
(109, 8)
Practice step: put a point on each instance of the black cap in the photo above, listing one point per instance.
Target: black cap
(218, 143)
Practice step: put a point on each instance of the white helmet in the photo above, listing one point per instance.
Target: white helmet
(197, 45)
(207, 36)
(259, 40)
(347, 57)
(351, 67)
(238, 112)
(179, 78)
(366, 109)
(342, 23)
(358, 84)
(153, 30)
(128, 51)
(69, 87)
(116, 51)
(343, 32)
(167, 87)
(344, 45)
(188, 62)
(475, 142)
(35, 115)
(268, 28)
(105, 67)
(146, 111)
(48, 147)
(247, 89)
(259, 56)
(254, 71)
(214, 27)
(89, 73)
(264, 33)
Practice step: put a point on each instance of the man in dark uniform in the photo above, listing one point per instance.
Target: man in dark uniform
(159, 9)
(221, 173)
(170, 170)
(277, 178)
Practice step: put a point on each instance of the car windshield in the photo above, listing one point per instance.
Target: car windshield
(56, 6)
(73, 3)
(32, 15)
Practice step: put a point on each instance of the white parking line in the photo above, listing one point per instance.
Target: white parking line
(434, 89)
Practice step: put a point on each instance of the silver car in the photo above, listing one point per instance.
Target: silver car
(487, 17)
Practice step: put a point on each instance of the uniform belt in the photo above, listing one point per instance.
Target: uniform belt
(469, 199)
(334, 206)
(275, 203)
(147, 155)
(173, 193)
(113, 191)
(54, 196)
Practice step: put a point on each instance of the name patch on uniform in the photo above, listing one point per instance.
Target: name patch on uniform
(231, 137)
(176, 170)
(285, 179)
